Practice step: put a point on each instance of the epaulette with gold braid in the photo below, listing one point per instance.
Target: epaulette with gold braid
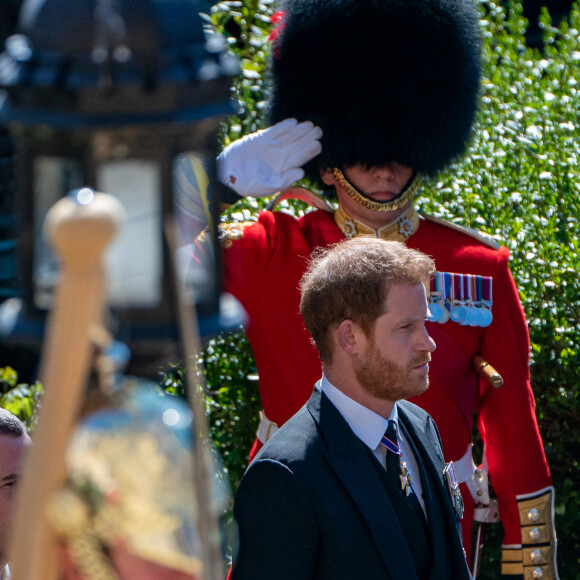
(479, 236)
(229, 232)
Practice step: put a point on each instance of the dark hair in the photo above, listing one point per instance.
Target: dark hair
(351, 281)
(10, 424)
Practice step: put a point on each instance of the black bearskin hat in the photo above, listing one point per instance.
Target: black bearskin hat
(386, 80)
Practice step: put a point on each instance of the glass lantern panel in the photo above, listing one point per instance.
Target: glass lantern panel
(134, 261)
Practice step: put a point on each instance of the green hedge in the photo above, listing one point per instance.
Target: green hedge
(20, 399)
(519, 182)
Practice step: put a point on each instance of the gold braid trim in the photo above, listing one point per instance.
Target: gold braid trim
(229, 232)
(511, 562)
(537, 556)
(397, 203)
(398, 230)
(74, 526)
(87, 555)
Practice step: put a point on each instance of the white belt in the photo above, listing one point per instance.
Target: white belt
(266, 428)
(476, 480)
(464, 467)
(488, 514)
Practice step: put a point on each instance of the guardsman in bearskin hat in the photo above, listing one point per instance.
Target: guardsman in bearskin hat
(369, 96)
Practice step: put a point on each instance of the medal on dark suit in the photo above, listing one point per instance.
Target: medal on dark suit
(405, 477)
(453, 486)
(390, 441)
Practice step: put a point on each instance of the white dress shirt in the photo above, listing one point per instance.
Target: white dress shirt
(370, 427)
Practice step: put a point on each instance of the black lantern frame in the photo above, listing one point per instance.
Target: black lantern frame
(99, 94)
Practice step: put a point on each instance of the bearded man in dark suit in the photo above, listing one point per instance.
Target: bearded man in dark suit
(355, 485)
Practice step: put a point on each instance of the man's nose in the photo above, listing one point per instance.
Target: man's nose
(386, 172)
(427, 343)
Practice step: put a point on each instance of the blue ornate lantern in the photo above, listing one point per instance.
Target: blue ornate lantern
(115, 96)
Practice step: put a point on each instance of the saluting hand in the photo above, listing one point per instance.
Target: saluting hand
(270, 160)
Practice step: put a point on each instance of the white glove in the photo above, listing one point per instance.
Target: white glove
(268, 161)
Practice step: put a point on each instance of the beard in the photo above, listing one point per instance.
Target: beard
(384, 379)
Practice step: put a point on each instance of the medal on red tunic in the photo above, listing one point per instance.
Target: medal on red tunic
(465, 299)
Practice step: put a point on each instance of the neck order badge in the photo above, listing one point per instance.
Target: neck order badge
(396, 465)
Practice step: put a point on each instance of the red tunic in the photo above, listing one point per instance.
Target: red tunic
(263, 268)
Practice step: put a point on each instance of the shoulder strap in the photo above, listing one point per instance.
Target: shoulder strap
(479, 236)
(314, 199)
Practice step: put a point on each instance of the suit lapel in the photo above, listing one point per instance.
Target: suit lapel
(422, 434)
(433, 505)
(353, 467)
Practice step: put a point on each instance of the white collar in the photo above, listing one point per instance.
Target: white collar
(367, 425)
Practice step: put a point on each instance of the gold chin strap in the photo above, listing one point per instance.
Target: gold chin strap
(403, 199)
(398, 230)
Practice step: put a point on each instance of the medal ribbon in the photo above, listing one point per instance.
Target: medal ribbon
(434, 284)
(392, 447)
(486, 291)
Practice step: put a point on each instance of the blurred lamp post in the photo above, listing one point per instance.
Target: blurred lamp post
(116, 96)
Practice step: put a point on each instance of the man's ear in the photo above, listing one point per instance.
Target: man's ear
(327, 177)
(350, 337)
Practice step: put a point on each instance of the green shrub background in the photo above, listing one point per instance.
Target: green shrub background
(21, 399)
(519, 182)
